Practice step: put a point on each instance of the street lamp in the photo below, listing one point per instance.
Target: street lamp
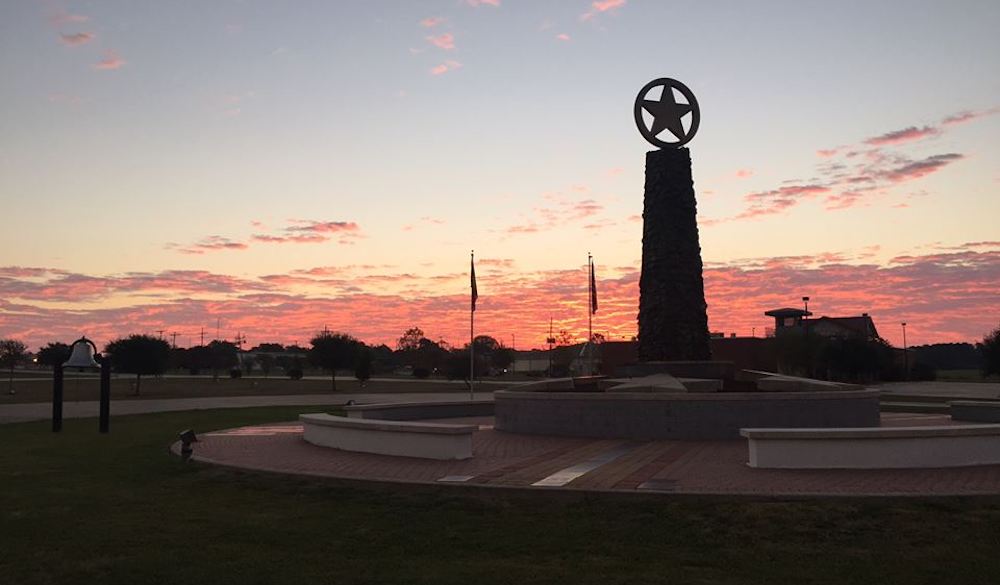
(805, 318)
(906, 360)
(83, 355)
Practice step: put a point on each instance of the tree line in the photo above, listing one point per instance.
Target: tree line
(332, 352)
(146, 355)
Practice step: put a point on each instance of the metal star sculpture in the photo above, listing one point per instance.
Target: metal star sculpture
(667, 113)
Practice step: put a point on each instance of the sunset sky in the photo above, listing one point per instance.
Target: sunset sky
(281, 167)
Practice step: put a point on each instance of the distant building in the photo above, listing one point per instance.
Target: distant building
(788, 321)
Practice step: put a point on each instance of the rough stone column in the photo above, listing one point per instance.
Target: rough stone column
(673, 321)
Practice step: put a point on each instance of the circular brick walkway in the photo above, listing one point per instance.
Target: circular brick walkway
(522, 461)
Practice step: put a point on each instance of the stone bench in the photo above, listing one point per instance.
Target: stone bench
(387, 437)
(420, 410)
(874, 448)
(975, 411)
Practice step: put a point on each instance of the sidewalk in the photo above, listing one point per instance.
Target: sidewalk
(43, 410)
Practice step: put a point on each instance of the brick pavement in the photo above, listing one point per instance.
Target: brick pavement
(509, 460)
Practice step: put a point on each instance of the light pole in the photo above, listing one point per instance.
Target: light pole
(83, 355)
(805, 318)
(906, 360)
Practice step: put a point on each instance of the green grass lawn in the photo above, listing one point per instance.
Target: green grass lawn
(80, 507)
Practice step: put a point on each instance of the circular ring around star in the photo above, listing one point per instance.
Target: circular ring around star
(667, 113)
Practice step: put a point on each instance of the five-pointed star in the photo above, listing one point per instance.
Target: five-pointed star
(667, 114)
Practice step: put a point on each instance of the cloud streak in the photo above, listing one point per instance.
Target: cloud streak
(947, 294)
(75, 40)
(110, 61)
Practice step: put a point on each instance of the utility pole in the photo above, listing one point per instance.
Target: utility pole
(203, 337)
(161, 332)
(173, 334)
(218, 324)
(906, 357)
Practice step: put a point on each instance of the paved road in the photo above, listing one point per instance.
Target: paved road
(43, 410)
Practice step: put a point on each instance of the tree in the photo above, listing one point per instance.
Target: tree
(333, 351)
(564, 338)
(12, 352)
(410, 340)
(139, 355)
(269, 348)
(989, 347)
(222, 356)
(53, 354)
(265, 361)
(363, 370)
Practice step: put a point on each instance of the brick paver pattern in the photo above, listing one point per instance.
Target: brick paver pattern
(504, 459)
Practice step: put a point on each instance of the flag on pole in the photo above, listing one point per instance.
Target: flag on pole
(593, 290)
(475, 293)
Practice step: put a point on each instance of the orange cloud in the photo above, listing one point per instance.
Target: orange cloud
(431, 22)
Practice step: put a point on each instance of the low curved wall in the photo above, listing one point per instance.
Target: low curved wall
(644, 415)
(882, 448)
(420, 410)
(384, 437)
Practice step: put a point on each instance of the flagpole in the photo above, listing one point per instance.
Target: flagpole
(472, 327)
(590, 315)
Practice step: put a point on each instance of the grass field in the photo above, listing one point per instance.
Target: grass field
(965, 376)
(39, 389)
(80, 507)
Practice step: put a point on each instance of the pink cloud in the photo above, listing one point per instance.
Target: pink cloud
(562, 37)
(290, 239)
(600, 6)
(431, 22)
(61, 17)
(827, 153)
(476, 3)
(910, 134)
(209, 244)
(110, 61)
(744, 173)
(443, 41)
(445, 67)
(921, 168)
(967, 116)
(943, 295)
(307, 225)
(77, 39)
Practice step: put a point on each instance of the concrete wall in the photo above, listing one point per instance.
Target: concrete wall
(975, 411)
(421, 410)
(678, 416)
(405, 440)
(921, 448)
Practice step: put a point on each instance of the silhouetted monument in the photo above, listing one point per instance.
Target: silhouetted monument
(673, 320)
